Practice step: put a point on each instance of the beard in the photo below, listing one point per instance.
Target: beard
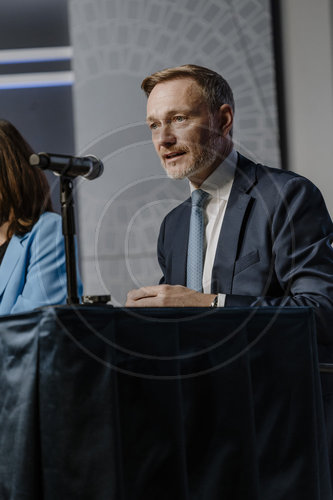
(203, 157)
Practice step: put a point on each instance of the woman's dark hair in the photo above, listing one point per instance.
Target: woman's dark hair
(24, 190)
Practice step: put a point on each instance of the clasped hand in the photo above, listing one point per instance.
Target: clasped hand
(167, 296)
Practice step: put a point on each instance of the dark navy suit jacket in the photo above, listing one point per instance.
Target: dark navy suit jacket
(275, 245)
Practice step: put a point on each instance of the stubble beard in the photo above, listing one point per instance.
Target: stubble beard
(203, 158)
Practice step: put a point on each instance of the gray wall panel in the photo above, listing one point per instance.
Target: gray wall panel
(308, 55)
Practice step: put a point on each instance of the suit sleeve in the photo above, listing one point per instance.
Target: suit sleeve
(45, 280)
(302, 250)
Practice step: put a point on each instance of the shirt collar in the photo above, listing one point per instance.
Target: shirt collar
(219, 183)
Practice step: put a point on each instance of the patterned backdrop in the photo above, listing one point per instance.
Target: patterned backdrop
(116, 44)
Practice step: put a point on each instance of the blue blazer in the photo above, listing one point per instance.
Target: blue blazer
(275, 245)
(33, 270)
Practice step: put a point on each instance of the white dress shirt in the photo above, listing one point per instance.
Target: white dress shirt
(218, 185)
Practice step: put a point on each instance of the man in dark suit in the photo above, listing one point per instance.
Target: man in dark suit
(268, 235)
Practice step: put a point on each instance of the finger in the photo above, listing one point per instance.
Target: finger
(144, 302)
(139, 293)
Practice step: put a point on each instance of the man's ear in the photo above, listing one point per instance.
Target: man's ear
(226, 119)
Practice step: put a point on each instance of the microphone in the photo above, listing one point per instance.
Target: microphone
(88, 167)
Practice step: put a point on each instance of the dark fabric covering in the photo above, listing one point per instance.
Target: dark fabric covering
(188, 404)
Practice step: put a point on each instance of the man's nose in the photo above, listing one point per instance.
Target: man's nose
(166, 135)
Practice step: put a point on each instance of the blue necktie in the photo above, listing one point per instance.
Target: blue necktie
(196, 241)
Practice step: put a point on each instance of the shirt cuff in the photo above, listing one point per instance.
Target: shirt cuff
(221, 299)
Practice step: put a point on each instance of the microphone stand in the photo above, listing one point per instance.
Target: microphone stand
(64, 166)
(68, 230)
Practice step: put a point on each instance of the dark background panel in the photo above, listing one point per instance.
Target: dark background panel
(44, 115)
(37, 23)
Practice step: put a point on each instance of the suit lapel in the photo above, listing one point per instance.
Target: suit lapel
(11, 257)
(239, 199)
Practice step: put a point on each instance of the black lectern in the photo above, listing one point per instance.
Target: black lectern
(182, 404)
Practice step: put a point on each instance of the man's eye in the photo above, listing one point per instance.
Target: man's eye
(179, 118)
(153, 126)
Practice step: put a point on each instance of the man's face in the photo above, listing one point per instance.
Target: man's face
(184, 132)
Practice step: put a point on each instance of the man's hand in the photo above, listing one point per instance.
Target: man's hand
(168, 296)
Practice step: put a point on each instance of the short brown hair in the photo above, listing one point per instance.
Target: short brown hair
(24, 190)
(215, 88)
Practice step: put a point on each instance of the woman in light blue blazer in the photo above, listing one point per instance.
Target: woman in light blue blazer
(32, 253)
